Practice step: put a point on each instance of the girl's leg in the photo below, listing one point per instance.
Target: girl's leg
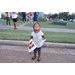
(39, 56)
(34, 54)
(15, 21)
(39, 53)
(9, 22)
(14, 24)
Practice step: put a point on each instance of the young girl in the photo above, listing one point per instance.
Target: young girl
(31, 18)
(8, 18)
(37, 35)
(14, 17)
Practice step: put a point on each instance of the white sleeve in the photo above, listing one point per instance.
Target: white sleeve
(32, 34)
(42, 33)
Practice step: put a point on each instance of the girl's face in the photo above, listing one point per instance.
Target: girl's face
(36, 28)
(30, 12)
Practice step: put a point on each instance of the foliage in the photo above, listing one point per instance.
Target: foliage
(63, 15)
(3, 16)
(54, 15)
(42, 19)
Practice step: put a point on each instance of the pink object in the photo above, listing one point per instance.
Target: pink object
(7, 14)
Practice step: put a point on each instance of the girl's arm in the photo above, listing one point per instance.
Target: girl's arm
(17, 13)
(44, 38)
(31, 37)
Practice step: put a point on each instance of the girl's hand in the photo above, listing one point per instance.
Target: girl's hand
(45, 40)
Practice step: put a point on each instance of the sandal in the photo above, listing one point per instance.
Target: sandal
(33, 58)
(38, 59)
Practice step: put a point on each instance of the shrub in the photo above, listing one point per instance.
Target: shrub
(42, 19)
(3, 16)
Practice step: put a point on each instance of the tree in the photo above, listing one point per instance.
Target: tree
(54, 15)
(61, 15)
(64, 15)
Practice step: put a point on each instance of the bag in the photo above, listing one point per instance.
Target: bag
(32, 46)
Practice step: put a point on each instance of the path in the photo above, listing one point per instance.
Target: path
(23, 24)
(19, 54)
(43, 29)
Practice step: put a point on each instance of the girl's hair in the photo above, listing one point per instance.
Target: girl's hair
(35, 24)
(13, 12)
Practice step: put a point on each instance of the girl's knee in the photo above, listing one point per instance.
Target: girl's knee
(39, 50)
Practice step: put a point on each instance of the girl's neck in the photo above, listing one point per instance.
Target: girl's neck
(36, 31)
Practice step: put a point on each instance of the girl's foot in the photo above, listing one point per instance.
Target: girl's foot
(33, 57)
(15, 28)
(38, 59)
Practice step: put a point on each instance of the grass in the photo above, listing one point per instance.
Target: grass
(24, 35)
(60, 37)
(70, 25)
(51, 36)
(11, 21)
(14, 34)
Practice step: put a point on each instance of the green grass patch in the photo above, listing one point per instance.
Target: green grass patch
(70, 25)
(24, 35)
(11, 21)
(14, 34)
(60, 37)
